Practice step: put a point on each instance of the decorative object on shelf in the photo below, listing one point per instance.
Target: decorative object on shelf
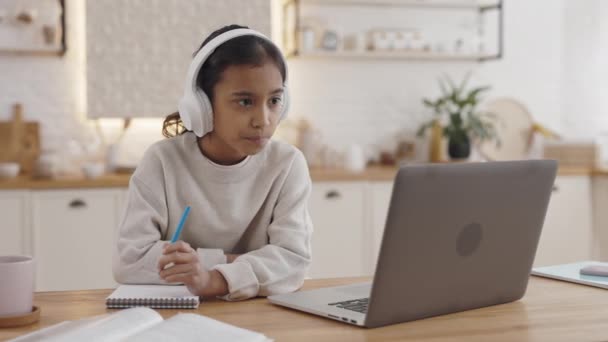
(50, 34)
(461, 30)
(349, 42)
(406, 151)
(573, 153)
(47, 166)
(25, 17)
(462, 122)
(330, 40)
(19, 141)
(397, 39)
(354, 159)
(379, 40)
(92, 170)
(520, 135)
(308, 41)
(32, 27)
(9, 170)
(436, 146)
(310, 141)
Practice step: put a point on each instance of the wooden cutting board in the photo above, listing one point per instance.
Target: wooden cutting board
(20, 141)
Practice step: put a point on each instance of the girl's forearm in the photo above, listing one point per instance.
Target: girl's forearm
(217, 285)
(230, 257)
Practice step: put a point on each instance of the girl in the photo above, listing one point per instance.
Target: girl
(249, 229)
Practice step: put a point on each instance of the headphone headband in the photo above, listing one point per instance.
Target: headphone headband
(195, 107)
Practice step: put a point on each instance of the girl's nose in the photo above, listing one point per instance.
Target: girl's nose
(261, 117)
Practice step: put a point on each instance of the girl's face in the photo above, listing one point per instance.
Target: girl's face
(247, 104)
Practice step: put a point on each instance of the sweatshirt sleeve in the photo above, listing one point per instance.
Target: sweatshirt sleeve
(139, 243)
(280, 266)
(143, 227)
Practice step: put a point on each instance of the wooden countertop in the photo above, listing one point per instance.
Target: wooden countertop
(551, 310)
(105, 181)
(374, 173)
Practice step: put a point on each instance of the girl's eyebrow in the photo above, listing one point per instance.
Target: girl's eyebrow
(248, 93)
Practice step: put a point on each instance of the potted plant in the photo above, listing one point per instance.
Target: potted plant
(460, 120)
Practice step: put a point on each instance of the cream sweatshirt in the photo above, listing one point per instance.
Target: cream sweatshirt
(257, 208)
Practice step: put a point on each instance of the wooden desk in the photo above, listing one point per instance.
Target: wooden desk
(550, 311)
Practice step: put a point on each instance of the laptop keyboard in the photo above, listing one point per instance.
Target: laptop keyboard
(358, 305)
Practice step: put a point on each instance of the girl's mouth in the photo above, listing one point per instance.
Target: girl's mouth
(257, 140)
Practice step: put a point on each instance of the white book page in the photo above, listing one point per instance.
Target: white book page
(50, 332)
(112, 327)
(193, 327)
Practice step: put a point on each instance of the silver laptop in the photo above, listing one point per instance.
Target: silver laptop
(457, 237)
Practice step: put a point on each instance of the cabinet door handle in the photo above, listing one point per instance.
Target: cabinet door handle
(77, 203)
(332, 194)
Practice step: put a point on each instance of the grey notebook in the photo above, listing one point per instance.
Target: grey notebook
(153, 296)
(571, 272)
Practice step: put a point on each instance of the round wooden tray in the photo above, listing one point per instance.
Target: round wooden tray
(19, 320)
(514, 125)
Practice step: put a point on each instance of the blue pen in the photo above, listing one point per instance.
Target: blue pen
(180, 225)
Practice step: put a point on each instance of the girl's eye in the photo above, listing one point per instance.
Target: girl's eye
(276, 100)
(245, 102)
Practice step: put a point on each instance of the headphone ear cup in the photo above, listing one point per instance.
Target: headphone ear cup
(285, 108)
(206, 112)
(189, 112)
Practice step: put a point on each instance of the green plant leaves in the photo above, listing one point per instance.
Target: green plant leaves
(459, 104)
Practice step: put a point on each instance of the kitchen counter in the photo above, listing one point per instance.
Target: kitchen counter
(373, 173)
(105, 181)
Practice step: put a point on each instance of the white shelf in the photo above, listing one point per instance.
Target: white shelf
(392, 55)
(447, 4)
(353, 21)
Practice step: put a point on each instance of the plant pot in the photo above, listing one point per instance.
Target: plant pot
(459, 148)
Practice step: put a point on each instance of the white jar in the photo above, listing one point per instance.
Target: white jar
(354, 159)
(307, 40)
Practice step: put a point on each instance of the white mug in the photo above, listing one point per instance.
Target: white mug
(16, 285)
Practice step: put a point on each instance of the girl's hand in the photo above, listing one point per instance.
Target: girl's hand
(184, 267)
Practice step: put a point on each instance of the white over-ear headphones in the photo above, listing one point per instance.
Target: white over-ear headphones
(194, 107)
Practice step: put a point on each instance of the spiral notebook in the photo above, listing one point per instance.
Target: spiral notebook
(153, 296)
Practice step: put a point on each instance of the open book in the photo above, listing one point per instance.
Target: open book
(143, 324)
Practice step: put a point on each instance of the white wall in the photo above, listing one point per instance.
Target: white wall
(554, 52)
(50, 88)
(365, 101)
(137, 59)
(53, 89)
(586, 71)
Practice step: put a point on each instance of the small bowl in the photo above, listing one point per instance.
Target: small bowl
(93, 170)
(9, 170)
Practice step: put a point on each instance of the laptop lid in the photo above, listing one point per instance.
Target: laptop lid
(458, 237)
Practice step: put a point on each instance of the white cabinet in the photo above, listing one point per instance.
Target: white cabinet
(600, 217)
(74, 238)
(338, 214)
(14, 224)
(567, 234)
(378, 203)
(71, 233)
